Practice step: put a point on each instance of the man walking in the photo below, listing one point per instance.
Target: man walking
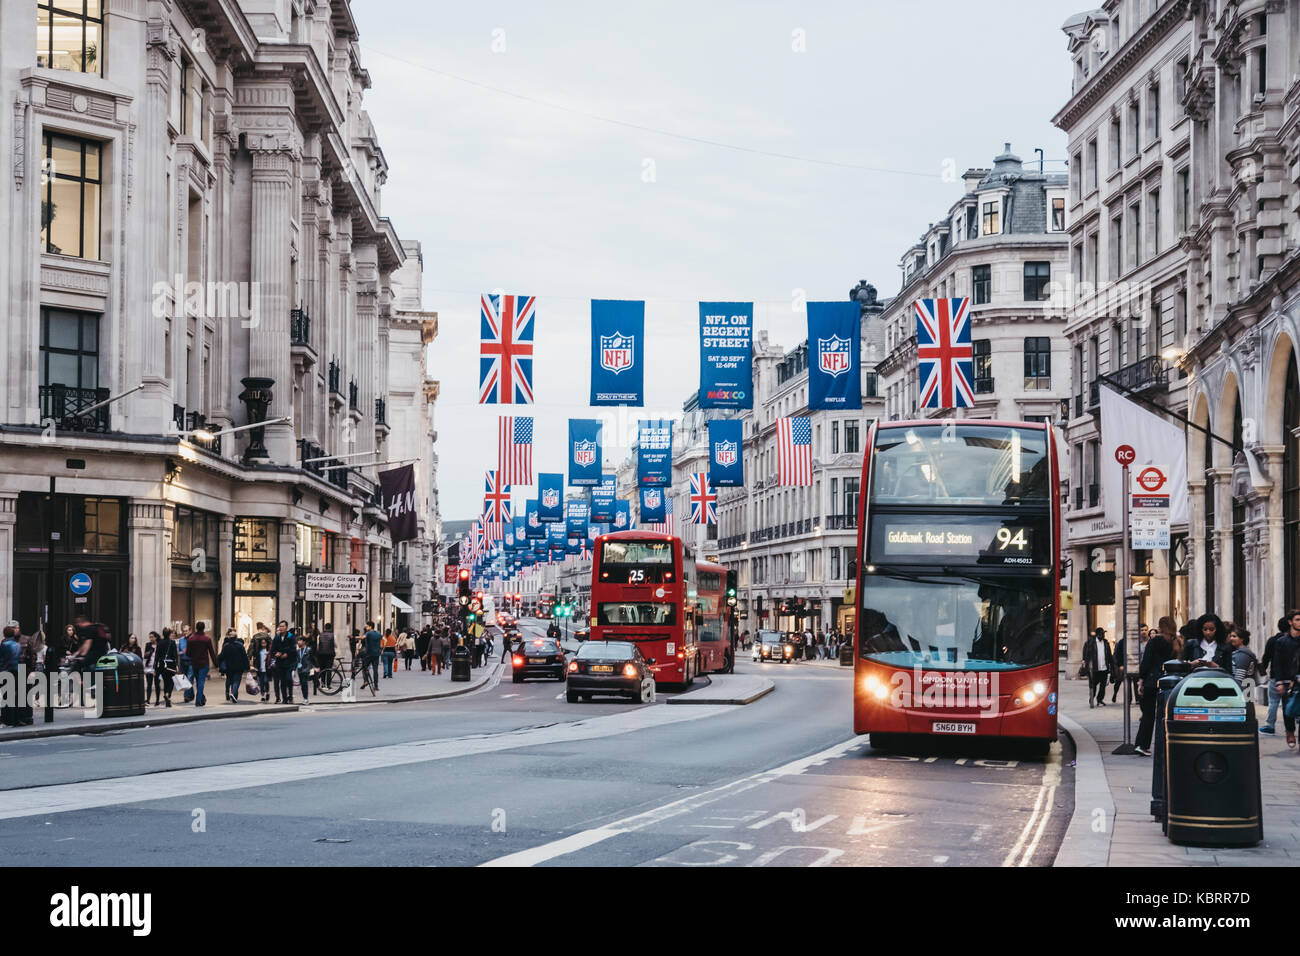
(1281, 660)
(371, 643)
(284, 655)
(234, 662)
(202, 657)
(1097, 659)
(324, 654)
(435, 654)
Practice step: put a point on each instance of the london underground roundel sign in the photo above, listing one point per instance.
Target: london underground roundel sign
(1151, 479)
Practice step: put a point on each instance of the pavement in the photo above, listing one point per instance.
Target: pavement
(727, 689)
(405, 686)
(1112, 825)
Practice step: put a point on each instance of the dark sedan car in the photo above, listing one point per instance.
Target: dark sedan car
(540, 657)
(610, 667)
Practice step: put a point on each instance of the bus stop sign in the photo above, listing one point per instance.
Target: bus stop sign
(1125, 455)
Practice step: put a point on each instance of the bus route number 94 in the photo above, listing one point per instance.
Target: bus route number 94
(1009, 539)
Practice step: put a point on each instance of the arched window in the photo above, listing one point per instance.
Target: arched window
(1291, 485)
(1238, 528)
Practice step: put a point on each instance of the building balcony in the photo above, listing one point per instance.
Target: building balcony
(984, 386)
(381, 420)
(841, 522)
(300, 346)
(1078, 406)
(353, 393)
(308, 450)
(68, 407)
(401, 575)
(178, 417)
(1078, 499)
(334, 378)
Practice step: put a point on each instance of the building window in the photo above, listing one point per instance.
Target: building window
(69, 34)
(1117, 246)
(1076, 176)
(1184, 200)
(1058, 215)
(872, 384)
(983, 365)
(1153, 112)
(850, 497)
(69, 348)
(1114, 144)
(1180, 78)
(1092, 164)
(70, 204)
(1135, 235)
(1037, 277)
(835, 438)
(1153, 211)
(835, 564)
(1038, 357)
(851, 437)
(981, 284)
(990, 218)
(1134, 125)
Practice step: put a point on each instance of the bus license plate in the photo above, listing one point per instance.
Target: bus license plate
(602, 668)
(947, 727)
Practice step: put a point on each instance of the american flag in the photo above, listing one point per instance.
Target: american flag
(476, 539)
(665, 526)
(496, 498)
(703, 499)
(794, 451)
(943, 353)
(505, 365)
(515, 450)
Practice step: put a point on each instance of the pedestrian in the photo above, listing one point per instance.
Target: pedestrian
(10, 653)
(1265, 660)
(167, 660)
(1210, 649)
(306, 664)
(264, 664)
(422, 646)
(1282, 666)
(1097, 659)
(435, 654)
(182, 647)
(1118, 665)
(92, 643)
(151, 684)
(202, 657)
(132, 646)
(408, 649)
(1245, 666)
(388, 648)
(284, 660)
(1158, 649)
(325, 651)
(370, 645)
(233, 663)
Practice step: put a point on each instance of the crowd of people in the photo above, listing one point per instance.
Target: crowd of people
(270, 665)
(1206, 642)
(809, 645)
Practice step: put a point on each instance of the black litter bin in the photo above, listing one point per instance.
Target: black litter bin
(1170, 676)
(121, 679)
(460, 663)
(846, 655)
(1212, 763)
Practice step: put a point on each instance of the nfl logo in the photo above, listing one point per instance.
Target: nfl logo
(584, 453)
(510, 539)
(532, 520)
(616, 352)
(653, 497)
(726, 453)
(550, 497)
(833, 356)
(620, 520)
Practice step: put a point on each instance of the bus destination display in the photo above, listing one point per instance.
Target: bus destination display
(948, 539)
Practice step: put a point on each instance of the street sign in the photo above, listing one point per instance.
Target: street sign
(1132, 622)
(1149, 508)
(340, 588)
(1125, 454)
(80, 583)
(449, 574)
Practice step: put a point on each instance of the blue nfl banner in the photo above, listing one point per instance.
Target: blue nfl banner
(533, 529)
(726, 336)
(617, 352)
(602, 499)
(652, 505)
(573, 546)
(623, 515)
(556, 535)
(584, 452)
(726, 453)
(834, 373)
(654, 457)
(550, 497)
(520, 525)
(575, 518)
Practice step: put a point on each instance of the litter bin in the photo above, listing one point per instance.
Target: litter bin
(460, 663)
(1171, 674)
(846, 655)
(121, 677)
(1212, 763)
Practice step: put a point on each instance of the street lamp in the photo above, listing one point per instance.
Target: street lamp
(206, 436)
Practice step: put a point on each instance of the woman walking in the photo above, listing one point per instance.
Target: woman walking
(167, 661)
(1159, 648)
(388, 651)
(151, 685)
(233, 662)
(262, 660)
(408, 649)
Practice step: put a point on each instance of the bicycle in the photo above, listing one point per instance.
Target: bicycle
(333, 678)
(367, 675)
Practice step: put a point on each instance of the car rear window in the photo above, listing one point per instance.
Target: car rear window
(541, 647)
(607, 650)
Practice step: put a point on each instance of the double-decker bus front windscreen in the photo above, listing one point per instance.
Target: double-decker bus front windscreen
(992, 465)
(636, 562)
(952, 621)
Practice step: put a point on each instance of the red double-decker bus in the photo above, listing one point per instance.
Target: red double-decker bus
(958, 582)
(645, 588)
(715, 652)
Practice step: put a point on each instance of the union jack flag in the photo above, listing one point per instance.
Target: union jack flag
(943, 353)
(505, 365)
(703, 500)
(515, 450)
(476, 539)
(665, 526)
(794, 451)
(496, 498)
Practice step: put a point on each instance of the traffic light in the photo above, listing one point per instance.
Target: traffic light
(463, 586)
(731, 589)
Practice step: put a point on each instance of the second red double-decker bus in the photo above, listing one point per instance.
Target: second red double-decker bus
(715, 652)
(958, 582)
(644, 588)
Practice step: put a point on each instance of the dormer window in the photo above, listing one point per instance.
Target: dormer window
(990, 217)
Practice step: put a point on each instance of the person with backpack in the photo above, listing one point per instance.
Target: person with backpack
(151, 684)
(325, 650)
(233, 663)
(1245, 666)
(167, 661)
(1274, 699)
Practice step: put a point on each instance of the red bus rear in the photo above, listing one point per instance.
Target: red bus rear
(715, 654)
(640, 593)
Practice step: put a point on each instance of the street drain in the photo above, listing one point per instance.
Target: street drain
(329, 840)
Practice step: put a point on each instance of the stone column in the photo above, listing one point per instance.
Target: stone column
(225, 567)
(150, 574)
(8, 520)
(287, 578)
(1222, 546)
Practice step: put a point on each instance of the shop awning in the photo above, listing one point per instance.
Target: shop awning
(400, 604)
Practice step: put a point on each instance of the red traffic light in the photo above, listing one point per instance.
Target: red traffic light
(464, 574)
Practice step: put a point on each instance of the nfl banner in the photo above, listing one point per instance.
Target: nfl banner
(726, 461)
(617, 352)
(397, 498)
(576, 518)
(534, 528)
(584, 452)
(550, 497)
(652, 505)
(556, 537)
(726, 333)
(539, 546)
(520, 525)
(654, 461)
(834, 333)
(602, 499)
(573, 546)
(622, 515)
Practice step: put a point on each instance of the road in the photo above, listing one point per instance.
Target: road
(514, 775)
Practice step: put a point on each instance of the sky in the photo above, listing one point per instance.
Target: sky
(678, 152)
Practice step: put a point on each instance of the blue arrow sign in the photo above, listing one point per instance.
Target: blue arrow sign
(80, 583)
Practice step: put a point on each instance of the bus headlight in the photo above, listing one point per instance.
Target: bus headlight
(1030, 695)
(876, 687)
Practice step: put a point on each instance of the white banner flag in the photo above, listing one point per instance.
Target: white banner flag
(1154, 441)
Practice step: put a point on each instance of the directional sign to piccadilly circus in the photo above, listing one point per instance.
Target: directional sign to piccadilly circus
(1149, 507)
(79, 583)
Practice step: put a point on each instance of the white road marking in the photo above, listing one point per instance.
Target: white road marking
(1037, 821)
(940, 859)
(113, 791)
(578, 841)
(860, 828)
